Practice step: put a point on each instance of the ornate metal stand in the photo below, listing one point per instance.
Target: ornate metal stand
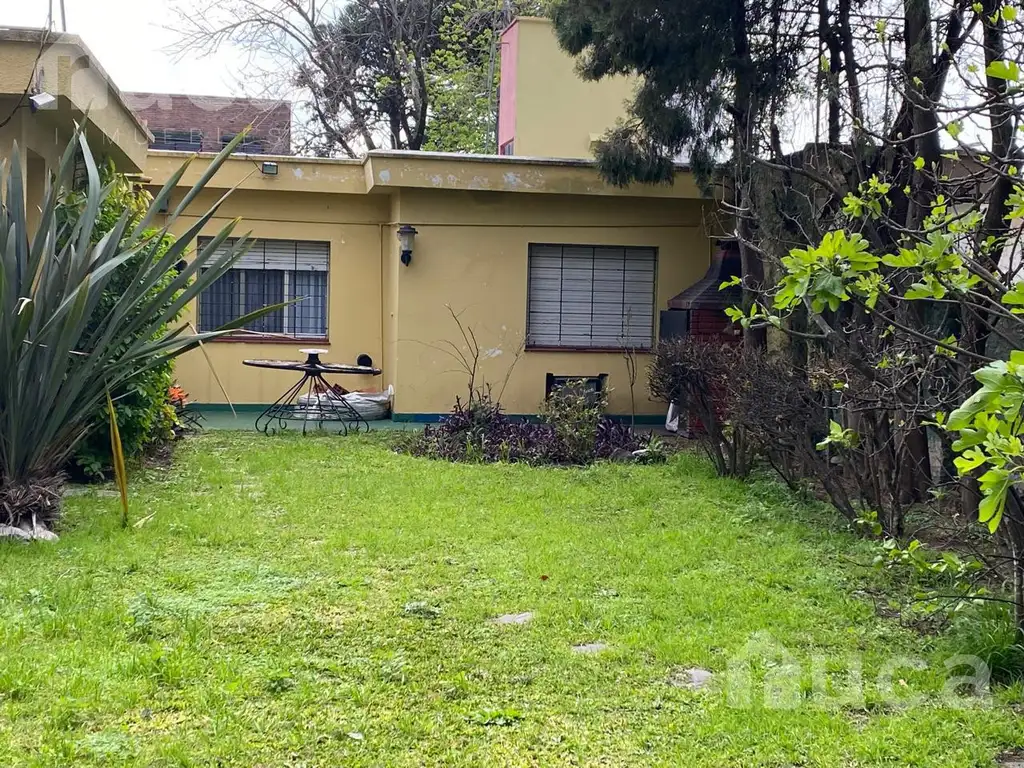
(321, 406)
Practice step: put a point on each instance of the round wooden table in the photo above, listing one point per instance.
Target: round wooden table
(321, 405)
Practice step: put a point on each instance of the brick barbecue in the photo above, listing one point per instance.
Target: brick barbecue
(700, 309)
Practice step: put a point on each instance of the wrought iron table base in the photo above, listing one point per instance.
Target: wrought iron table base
(319, 396)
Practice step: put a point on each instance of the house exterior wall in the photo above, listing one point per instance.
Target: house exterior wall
(62, 66)
(352, 225)
(553, 111)
(391, 170)
(476, 217)
(40, 133)
(471, 254)
(41, 139)
(13, 132)
(391, 272)
(296, 174)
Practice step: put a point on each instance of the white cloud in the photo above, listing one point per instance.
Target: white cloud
(128, 38)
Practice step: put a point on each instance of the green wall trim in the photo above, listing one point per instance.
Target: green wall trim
(433, 418)
(245, 409)
(240, 408)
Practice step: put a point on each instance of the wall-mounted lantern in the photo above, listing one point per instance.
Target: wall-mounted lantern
(406, 236)
(268, 168)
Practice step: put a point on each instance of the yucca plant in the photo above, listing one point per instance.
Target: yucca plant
(56, 367)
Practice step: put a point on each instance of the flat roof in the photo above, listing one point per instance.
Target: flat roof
(407, 154)
(260, 157)
(382, 170)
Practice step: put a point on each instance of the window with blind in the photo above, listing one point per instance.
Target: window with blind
(591, 297)
(273, 271)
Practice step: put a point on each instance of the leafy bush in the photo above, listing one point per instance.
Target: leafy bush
(616, 439)
(144, 412)
(697, 374)
(752, 404)
(783, 415)
(573, 431)
(480, 432)
(145, 417)
(574, 414)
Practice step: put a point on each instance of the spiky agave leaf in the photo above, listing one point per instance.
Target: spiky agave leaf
(120, 473)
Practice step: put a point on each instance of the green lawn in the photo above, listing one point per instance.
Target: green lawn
(324, 602)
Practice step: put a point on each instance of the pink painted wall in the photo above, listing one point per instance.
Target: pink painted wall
(507, 85)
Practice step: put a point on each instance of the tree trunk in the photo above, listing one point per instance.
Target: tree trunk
(917, 466)
(924, 120)
(1018, 589)
(1001, 124)
(1013, 520)
(744, 117)
(830, 42)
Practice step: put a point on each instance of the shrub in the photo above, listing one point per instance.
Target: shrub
(989, 632)
(695, 373)
(574, 414)
(480, 432)
(616, 439)
(784, 419)
(751, 404)
(145, 417)
(573, 431)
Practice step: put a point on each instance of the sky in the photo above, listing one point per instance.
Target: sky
(128, 38)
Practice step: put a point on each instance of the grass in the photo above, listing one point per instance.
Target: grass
(324, 602)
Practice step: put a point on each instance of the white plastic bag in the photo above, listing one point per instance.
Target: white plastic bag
(672, 418)
(371, 406)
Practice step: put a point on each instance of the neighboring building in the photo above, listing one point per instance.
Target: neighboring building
(544, 108)
(533, 252)
(192, 123)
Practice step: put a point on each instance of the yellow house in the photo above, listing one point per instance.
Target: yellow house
(554, 272)
(494, 236)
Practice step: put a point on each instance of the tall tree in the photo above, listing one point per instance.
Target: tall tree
(402, 74)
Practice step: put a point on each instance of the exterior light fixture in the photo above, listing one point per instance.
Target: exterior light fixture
(268, 169)
(406, 235)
